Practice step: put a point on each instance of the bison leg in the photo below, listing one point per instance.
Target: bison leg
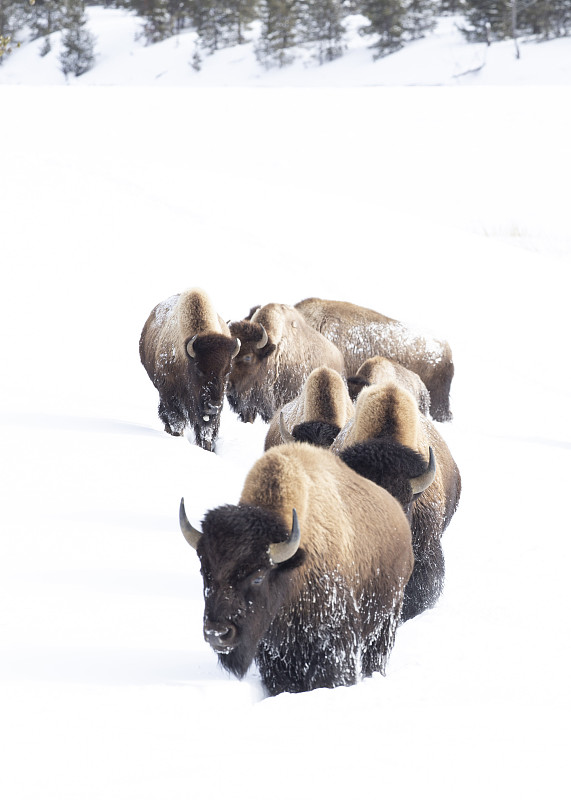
(378, 645)
(425, 584)
(172, 418)
(206, 435)
(439, 390)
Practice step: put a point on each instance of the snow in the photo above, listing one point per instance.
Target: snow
(444, 207)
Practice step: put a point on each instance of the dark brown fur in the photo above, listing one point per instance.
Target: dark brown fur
(388, 442)
(324, 403)
(329, 614)
(361, 333)
(189, 388)
(265, 379)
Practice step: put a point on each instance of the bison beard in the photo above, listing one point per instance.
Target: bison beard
(320, 434)
(388, 464)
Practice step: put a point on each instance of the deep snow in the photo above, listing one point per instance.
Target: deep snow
(446, 208)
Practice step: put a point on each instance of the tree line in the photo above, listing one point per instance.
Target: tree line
(283, 24)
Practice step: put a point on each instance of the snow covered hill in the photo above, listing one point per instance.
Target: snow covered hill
(442, 58)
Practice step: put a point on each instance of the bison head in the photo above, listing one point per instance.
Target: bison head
(209, 361)
(248, 383)
(246, 554)
(400, 470)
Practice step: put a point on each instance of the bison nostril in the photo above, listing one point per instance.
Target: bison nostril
(219, 637)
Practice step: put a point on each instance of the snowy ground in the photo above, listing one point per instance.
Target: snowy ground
(447, 208)
(441, 58)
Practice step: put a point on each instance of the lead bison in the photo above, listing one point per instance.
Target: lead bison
(361, 333)
(187, 351)
(278, 351)
(391, 443)
(316, 415)
(306, 575)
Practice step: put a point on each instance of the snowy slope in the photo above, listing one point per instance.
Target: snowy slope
(447, 208)
(441, 58)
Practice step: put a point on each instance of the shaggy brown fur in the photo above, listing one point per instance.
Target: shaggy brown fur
(191, 389)
(361, 333)
(264, 379)
(379, 369)
(326, 616)
(324, 399)
(388, 442)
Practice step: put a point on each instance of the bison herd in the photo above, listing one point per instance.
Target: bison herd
(336, 538)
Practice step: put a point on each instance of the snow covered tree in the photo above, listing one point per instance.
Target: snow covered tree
(322, 23)
(396, 22)
(12, 18)
(78, 53)
(488, 20)
(158, 23)
(46, 17)
(220, 23)
(387, 22)
(279, 32)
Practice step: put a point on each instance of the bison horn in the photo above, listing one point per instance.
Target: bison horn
(285, 434)
(237, 348)
(264, 340)
(283, 551)
(190, 347)
(422, 482)
(192, 535)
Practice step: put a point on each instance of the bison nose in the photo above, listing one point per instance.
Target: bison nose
(211, 408)
(220, 636)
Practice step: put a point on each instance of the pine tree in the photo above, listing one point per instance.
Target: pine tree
(77, 55)
(488, 20)
(46, 17)
(280, 31)
(322, 23)
(158, 23)
(387, 20)
(13, 16)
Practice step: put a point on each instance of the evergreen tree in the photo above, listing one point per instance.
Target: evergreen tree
(158, 23)
(46, 17)
(280, 31)
(488, 20)
(322, 23)
(77, 55)
(396, 22)
(220, 23)
(387, 20)
(13, 15)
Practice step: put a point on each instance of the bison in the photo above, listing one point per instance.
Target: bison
(317, 414)
(278, 351)
(379, 369)
(392, 444)
(361, 333)
(305, 576)
(187, 351)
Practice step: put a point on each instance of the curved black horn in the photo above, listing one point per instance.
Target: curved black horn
(190, 347)
(192, 535)
(422, 482)
(264, 340)
(285, 434)
(237, 348)
(283, 551)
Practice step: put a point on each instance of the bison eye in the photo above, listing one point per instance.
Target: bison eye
(257, 578)
(247, 359)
